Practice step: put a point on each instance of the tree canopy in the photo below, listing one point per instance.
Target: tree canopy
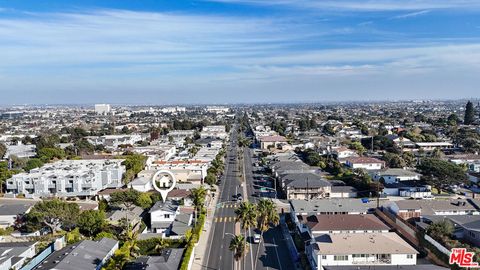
(469, 114)
(440, 173)
(55, 214)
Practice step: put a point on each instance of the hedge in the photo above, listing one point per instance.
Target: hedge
(193, 240)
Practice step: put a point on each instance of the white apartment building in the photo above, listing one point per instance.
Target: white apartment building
(366, 163)
(192, 171)
(360, 249)
(214, 132)
(102, 109)
(113, 141)
(68, 178)
(217, 109)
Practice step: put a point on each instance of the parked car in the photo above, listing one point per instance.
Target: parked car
(256, 238)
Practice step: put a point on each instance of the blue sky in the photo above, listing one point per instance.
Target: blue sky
(235, 51)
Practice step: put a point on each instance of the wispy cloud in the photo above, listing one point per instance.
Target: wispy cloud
(412, 14)
(363, 5)
(120, 50)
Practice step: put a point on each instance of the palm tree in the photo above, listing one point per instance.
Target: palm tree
(239, 246)
(198, 195)
(247, 216)
(267, 215)
(161, 245)
(131, 242)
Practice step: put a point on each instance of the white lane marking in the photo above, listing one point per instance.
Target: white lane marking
(278, 258)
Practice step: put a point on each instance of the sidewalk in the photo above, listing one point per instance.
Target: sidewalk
(201, 249)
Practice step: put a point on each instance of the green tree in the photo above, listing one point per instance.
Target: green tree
(84, 147)
(357, 146)
(441, 173)
(247, 216)
(160, 246)
(453, 120)
(198, 195)
(133, 164)
(239, 246)
(126, 199)
(55, 214)
(409, 158)
(3, 150)
(394, 160)
(73, 236)
(267, 215)
(90, 222)
(144, 201)
(104, 234)
(211, 179)
(469, 113)
(46, 154)
(33, 163)
(440, 229)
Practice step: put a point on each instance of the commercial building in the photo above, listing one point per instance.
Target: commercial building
(102, 109)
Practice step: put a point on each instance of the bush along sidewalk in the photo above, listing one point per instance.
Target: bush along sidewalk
(197, 230)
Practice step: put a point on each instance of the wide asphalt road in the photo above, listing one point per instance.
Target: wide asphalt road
(273, 250)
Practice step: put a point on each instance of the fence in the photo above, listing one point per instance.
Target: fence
(290, 244)
(42, 255)
(440, 248)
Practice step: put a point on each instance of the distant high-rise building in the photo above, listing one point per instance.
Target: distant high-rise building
(102, 109)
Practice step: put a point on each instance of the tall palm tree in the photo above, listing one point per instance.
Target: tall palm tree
(198, 195)
(239, 246)
(267, 215)
(247, 216)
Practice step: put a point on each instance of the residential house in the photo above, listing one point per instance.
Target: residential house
(359, 249)
(11, 210)
(14, 254)
(169, 219)
(343, 192)
(305, 186)
(275, 142)
(169, 259)
(390, 176)
(367, 163)
(407, 209)
(86, 255)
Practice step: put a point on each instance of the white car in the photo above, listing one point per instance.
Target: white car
(256, 238)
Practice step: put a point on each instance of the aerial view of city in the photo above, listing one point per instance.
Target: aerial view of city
(239, 134)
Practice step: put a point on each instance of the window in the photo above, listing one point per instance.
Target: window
(324, 257)
(409, 256)
(340, 258)
(167, 215)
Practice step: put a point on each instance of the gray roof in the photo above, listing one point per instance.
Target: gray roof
(11, 250)
(169, 259)
(168, 205)
(470, 222)
(397, 172)
(118, 214)
(330, 205)
(180, 224)
(304, 180)
(14, 207)
(429, 207)
(86, 255)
